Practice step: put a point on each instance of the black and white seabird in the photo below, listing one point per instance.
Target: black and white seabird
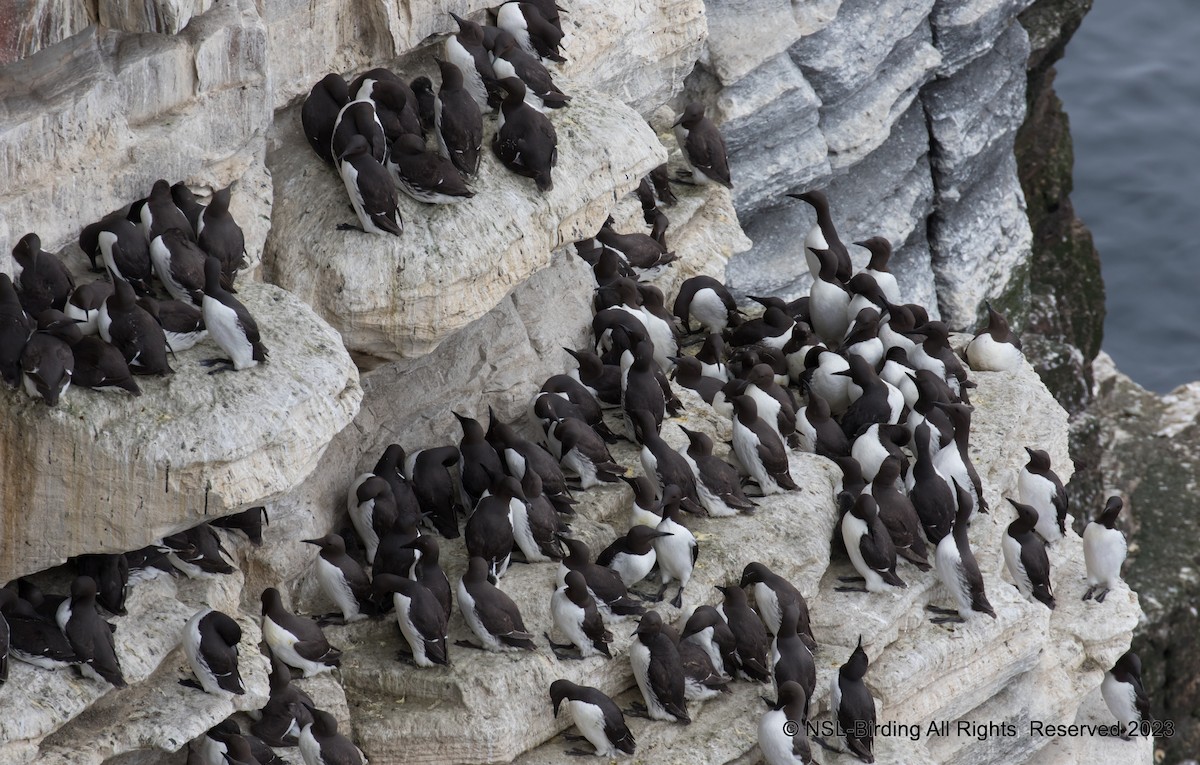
(791, 656)
(44, 281)
(954, 459)
(676, 547)
(875, 444)
(935, 354)
(898, 514)
(603, 583)
(287, 711)
(520, 455)
(134, 332)
(759, 448)
(372, 509)
(15, 328)
(851, 702)
(869, 545)
(84, 305)
(427, 570)
(465, 50)
(1040, 487)
(545, 525)
(707, 629)
(637, 249)
(1025, 556)
(130, 260)
(707, 300)
(420, 617)
(829, 300)
(586, 404)
(479, 466)
(583, 451)
(641, 390)
(996, 348)
(321, 744)
(425, 175)
(823, 376)
(320, 112)
(644, 509)
(824, 236)
(159, 214)
(533, 33)
(689, 372)
(717, 482)
(931, 494)
(422, 88)
(509, 61)
(751, 639)
(489, 612)
(182, 322)
(198, 552)
(1104, 550)
(781, 735)
(458, 122)
(877, 268)
(489, 530)
(297, 640)
(249, 521)
(395, 104)
(34, 638)
(658, 671)
(210, 642)
(525, 140)
(1125, 695)
(47, 363)
(358, 118)
(772, 594)
(880, 402)
(429, 472)
(341, 578)
(111, 574)
(632, 554)
(187, 203)
(179, 263)
(958, 569)
(371, 190)
(577, 616)
(597, 717)
(819, 433)
(91, 637)
(221, 237)
(229, 324)
(703, 146)
(663, 465)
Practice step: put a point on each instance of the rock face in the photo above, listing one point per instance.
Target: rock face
(110, 472)
(399, 296)
(905, 113)
(903, 110)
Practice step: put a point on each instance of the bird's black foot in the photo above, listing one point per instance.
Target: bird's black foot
(191, 683)
(573, 737)
(578, 752)
(948, 620)
(769, 702)
(851, 579)
(850, 589)
(678, 599)
(1103, 594)
(943, 611)
(328, 619)
(1088, 595)
(406, 658)
(637, 709)
(222, 365)
(827, 746)
(350, 227)
(468, 644)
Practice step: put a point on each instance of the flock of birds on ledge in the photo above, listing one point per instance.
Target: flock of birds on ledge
(885, 397)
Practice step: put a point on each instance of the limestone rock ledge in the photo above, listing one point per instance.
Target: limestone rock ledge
(107, 472)
(398, 297)
(70, 720)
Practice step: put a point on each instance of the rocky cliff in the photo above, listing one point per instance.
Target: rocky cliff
(904, 111)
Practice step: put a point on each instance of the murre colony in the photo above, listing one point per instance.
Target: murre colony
(849, 372)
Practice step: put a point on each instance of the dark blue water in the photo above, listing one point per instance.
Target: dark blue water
(1130, 81)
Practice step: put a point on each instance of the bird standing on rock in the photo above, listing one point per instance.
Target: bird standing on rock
(525, 140)
(703, 147)
(229, 324)
(371, 190)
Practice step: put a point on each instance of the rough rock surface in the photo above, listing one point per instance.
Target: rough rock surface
(108, 472)
(89, 128)
(399, 296)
